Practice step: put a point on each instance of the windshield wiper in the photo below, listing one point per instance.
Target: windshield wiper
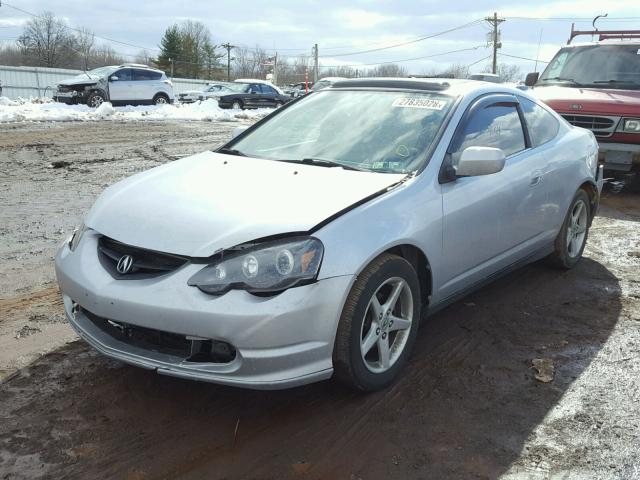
(615, 82)
(232, 151)
(323, 162)
(560, 79)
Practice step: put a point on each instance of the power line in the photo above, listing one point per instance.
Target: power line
(521, 58)
(420, 39)
(576, 19)
(478, 61)
(404, 60)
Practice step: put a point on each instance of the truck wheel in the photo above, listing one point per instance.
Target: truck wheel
(378, 325)
(95, 99)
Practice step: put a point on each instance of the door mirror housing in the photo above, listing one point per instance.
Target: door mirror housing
(113, 78)
(476, 161)
(238, 130)
(531, 79)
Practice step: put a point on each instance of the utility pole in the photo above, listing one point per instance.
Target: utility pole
(228, 46)
(494, 22)
(315, 63)
(171, 60)
(275, 69)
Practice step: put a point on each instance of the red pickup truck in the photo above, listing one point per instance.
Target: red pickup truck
(597, 86)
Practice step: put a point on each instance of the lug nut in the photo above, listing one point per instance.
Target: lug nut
(384, 335)
(377, 331)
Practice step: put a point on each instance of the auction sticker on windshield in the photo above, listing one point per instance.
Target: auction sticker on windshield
(416, 102)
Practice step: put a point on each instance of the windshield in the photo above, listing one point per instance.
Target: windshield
(368, 130)
(601, 66)
(238, 87)
(102, 71)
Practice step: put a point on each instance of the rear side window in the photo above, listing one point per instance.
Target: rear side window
(543, 126)
(147, 75)
(268, 89)
(497, 125)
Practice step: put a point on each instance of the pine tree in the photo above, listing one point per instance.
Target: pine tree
(170, 48)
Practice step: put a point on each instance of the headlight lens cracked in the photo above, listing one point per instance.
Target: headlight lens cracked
(266, 268)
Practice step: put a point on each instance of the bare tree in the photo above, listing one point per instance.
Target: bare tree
(84, 42)
(45, 39)
(507, 72)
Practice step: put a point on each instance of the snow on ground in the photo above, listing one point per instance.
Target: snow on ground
(39, 111)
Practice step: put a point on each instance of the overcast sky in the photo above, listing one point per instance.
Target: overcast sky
(293, 26)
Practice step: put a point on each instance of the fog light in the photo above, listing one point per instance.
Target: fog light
(250, 266)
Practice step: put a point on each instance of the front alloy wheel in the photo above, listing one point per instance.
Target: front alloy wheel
(387, 324)
(95, 100)
(378, 325)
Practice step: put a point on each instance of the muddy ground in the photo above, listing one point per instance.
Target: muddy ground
(469, 405)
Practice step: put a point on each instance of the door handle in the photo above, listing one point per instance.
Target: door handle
(536, 178)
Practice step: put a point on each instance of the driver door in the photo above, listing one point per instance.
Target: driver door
(123, 88)
(486, 219)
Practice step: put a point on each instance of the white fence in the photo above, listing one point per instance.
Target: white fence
(29, 82)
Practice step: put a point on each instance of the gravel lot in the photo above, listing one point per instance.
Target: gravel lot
(469, 406)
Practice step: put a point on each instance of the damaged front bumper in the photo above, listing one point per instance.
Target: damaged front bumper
(275, 342)
(70, 97)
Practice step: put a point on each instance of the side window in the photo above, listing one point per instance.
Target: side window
(269, 90)
(124, 75)
(543, 126)
(497, 126)
(146, 75)
(254, 88)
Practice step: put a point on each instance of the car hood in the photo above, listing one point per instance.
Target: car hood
(191, 92)
(589, 100)
(208, 202)
(81, 79)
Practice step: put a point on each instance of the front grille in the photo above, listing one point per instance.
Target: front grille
(145, 263)
(64, 89)
(191, 349)
(600, 126)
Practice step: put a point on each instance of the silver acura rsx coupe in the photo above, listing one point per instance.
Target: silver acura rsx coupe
(312, 243)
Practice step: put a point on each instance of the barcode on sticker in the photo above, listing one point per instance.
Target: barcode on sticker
(413, 102)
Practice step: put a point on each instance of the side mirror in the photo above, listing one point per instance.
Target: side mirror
(531, 79)
(476, 161)
(238, 130)
(113, 78)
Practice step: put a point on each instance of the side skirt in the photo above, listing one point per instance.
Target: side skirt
(534, 257)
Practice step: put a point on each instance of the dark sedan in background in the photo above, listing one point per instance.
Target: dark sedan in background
(252, 95)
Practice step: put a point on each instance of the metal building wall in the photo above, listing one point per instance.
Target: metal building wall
(35, 82)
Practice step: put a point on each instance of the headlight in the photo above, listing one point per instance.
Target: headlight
(76, 236)
(631, 125)
(269, 267)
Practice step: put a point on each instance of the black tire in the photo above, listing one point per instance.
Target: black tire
(237, 104)
(349, 365)
(562, 257)
(96, 99)
(161, 99)
(279, 104)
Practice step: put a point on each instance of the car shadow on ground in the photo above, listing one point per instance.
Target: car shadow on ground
(464, 408)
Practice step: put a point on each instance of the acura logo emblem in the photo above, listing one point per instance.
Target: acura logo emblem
(124, 264)
(576, 106)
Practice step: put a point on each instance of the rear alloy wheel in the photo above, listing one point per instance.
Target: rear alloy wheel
(279, 104)
(379, 324)
(95, 99)
(236, 105)
(160, 99)
(572, 238)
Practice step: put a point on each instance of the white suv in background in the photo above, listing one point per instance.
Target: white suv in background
(127, 84)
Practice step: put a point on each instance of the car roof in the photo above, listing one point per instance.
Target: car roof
(448, 86)
(137, 65)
